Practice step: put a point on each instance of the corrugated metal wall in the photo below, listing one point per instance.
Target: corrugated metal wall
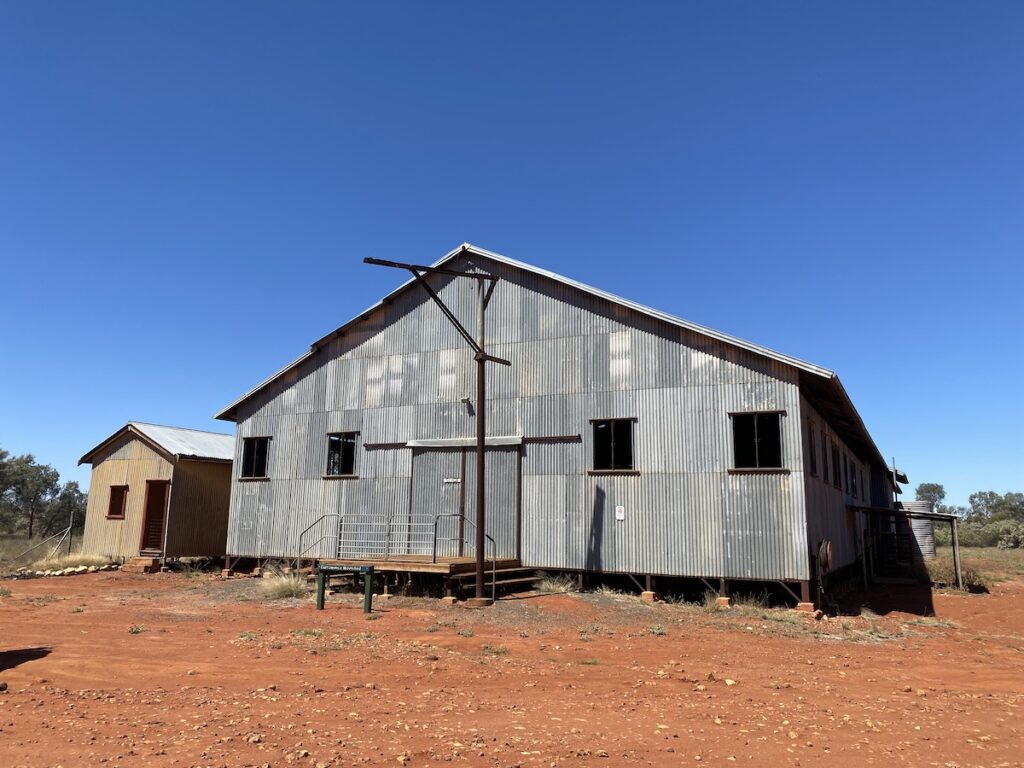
(129, 462)
(402, 374)
(827, 515)
(197, 522)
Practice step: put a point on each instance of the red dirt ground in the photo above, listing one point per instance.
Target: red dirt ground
(214, 676)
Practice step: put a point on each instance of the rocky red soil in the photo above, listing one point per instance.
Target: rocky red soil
(122, 670)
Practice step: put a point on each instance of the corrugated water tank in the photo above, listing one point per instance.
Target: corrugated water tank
(923, 530)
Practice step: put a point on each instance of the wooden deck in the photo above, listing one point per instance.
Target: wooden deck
(447, 566)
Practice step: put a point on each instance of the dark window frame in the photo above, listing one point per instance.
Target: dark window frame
(824, 456)
(340, 473)
(837, 472)
(250, 462)
(120, 514)
(812, 448)
(614, 464)
(761, 464)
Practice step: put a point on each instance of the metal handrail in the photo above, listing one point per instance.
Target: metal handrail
(494, 547)
(308, 528)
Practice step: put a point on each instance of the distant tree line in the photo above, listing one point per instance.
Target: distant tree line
(33, 501)
(990, 520)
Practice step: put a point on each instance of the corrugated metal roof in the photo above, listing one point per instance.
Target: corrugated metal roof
(227, 414)
(178, 442)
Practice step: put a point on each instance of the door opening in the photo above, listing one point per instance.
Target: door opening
(155, 513)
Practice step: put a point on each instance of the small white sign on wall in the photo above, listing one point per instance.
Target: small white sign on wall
(620, 513)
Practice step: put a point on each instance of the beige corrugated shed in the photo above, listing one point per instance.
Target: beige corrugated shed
(162, 491)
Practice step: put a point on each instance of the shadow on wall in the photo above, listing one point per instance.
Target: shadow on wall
(11, 659)
(596, 537)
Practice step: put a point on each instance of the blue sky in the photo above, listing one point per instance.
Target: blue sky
(188, 190)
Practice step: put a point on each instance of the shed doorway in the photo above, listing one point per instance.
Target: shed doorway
(444, 499)
(157, 493)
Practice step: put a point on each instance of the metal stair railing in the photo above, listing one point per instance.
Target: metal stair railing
(303, 550)
(364, 536)
(464, 520)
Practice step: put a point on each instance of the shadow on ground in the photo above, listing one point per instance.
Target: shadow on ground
(11, 659)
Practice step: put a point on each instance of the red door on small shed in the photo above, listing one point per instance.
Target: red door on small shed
(156, 510)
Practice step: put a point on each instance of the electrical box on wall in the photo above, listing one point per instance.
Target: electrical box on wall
(620, 513)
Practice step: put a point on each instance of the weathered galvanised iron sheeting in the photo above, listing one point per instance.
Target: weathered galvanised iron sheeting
(403, 374)
(125, 461)
(197, 512)
(827, 515)
(197, 516)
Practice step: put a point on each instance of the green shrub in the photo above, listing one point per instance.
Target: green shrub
(1011, 536)
(1005, 534)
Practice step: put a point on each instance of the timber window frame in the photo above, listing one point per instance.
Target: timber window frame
(255, 458)
(837, 472)
(613, 451)
(757, 442)
(118, 502)
(341, 455)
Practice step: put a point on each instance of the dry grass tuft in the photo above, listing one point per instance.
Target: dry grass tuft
(759, 600)
(284, 586)
(943, 574)
(555, 585)
(709, 602)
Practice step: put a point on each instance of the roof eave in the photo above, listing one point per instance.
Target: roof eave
(228, 413)
(860, 421)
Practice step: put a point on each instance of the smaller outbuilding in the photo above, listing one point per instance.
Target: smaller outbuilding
(158, 493)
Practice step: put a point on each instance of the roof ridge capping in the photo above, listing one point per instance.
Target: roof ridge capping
(181, 429)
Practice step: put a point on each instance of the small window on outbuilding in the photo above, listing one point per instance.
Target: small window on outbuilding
(756, 441)
(118, 502)
(613, 445)
(254, 457)
(812, 448)
(341, 454)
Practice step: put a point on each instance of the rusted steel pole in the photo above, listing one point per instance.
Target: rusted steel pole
(481, 438)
